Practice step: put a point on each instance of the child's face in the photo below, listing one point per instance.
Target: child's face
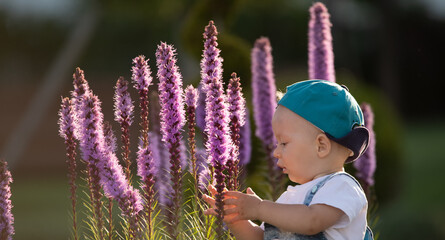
(296, 150)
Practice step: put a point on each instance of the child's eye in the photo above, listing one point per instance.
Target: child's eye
(283, 144)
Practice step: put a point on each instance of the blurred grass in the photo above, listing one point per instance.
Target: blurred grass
(41, 203)
(41, 207)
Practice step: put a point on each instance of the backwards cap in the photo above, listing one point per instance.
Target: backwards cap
(331, 108)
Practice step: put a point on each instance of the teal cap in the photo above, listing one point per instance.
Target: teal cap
(330, 107)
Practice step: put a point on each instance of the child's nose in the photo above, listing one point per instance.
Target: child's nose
(276, 153)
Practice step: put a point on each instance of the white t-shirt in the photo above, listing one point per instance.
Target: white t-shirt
(340, 192)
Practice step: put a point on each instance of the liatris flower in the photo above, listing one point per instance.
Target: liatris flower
(123, 114)
(94, 151)
(81, 88)
(321, 55)
(366, 164)
(146, 170)
(191, 99)
(201, 107)
(109, 138)
(211, 63)
(237, 115)
(160, 153)
(217, 116)
(6, 217)
(204, 179)
(66, 124)
(142, 78)
(264, 104)
(263, 90)
(110, 146)
(172, 122)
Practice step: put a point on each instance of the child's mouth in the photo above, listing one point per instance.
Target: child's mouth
(283, 169)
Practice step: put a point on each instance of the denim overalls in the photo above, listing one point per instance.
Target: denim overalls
(271, 232)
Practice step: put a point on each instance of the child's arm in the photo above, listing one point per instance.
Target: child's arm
(296, 218)
(242, 229)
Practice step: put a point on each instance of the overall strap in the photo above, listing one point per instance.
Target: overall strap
(368, 235)
(314, 190)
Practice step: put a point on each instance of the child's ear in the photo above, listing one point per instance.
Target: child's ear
(323, 145)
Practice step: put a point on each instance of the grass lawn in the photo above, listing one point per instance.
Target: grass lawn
(41, 204)
(41, 208)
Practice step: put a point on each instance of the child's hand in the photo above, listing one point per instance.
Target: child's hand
(242, 206)
(228, 218)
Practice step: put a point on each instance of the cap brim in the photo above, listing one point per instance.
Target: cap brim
(357, 140)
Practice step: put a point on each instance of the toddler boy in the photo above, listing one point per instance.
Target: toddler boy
(319, 127)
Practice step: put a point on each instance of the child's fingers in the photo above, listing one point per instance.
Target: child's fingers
(250, 191)
(209, 200)
(213, 190)
(233, 194)
(210, 211)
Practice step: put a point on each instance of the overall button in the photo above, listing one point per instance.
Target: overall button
(314, 189)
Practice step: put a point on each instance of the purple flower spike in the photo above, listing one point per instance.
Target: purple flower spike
(263, 90)
(142, 78)
(66, 120)
(237, 116)
(191, 100)
(147, 172)
(146, 168)
(366, 164)
(6, 217)
(211, 63)
(264, 104)
(79, 94)
(81, 88)
(123, 114)
(159, 154)
(123, 105)
(321, 55)
(191, 96)
(141, 73)
(217, 117)
(172, 122)
(237, 103)
(204, 179)
(110, 140)
(201, 107)
(66, 123)
(94, 151)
